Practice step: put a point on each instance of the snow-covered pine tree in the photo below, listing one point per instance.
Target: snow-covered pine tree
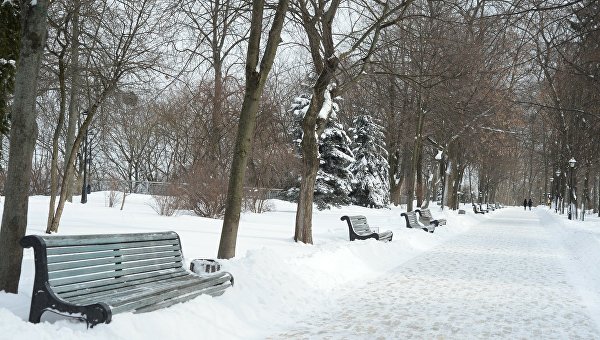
(334, 179)
(333, 184)
(370, 170)
(298, 108)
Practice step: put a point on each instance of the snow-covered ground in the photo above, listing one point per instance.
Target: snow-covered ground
(509, 274)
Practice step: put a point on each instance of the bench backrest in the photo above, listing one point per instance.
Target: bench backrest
(74, 263)
(411, 217)
(358, 224)
(426, 213)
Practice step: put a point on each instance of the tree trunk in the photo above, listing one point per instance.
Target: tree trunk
(420, 191)
(255, 83)
(587, 198)
(69, 170)
(243, 145)
(395, 176)
(416, 155)
(446, 182)
(217, 99)
(22, 142)
(55, 140)
(217, 112)
(455, 175)
(404, 169)
(312, 127)
(73, 97)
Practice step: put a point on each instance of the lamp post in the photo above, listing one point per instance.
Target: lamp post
(572, 162)
(85, 162)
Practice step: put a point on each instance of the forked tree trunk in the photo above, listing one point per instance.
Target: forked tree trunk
(22, 142)
(312, 127)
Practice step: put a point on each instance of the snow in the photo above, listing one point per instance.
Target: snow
(439, 155)
(508, 274)
(328, 105)
(10, 62)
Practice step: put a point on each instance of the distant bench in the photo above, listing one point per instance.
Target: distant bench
(426, 218)
(477, 209)
(413, 222)
(93, 277)
(359, 229)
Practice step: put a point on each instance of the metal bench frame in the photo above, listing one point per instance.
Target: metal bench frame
(92, 277)
(359, 229)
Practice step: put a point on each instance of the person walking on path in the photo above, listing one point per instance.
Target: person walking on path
(525, 204)
(530, 204)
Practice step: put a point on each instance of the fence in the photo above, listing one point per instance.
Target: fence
(162, 188)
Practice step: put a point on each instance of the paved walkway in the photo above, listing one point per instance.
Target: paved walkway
(502, 279)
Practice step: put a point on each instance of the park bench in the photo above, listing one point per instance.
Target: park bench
(413, 222)
(426, 218)
(92, 277)
(359, 229)
(477, 209)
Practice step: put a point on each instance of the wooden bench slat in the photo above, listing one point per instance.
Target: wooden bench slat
(106, 275)
(116, 258)
(56, 259)
(83, 240)
(127, 290)
(109, 246)
(212, 291)
(191, 283)
(159, 296)
(113, 283)
(115, 268)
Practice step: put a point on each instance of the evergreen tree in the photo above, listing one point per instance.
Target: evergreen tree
(333, 183)
(370, 170)
(298, 108)
(9, 51)
(334, 179)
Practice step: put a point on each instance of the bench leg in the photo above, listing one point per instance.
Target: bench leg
(35, 315)
(39, 303)
(91, 314)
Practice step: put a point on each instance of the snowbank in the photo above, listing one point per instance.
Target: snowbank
(277, 281)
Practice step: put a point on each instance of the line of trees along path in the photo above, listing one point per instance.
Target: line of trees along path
(477, 101)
